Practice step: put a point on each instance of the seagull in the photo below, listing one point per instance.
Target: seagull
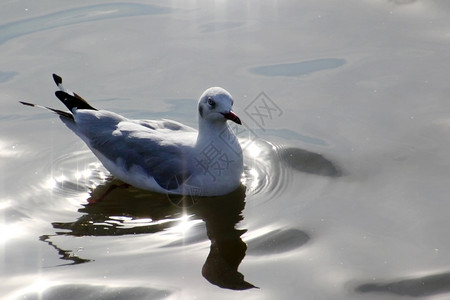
(163, 156)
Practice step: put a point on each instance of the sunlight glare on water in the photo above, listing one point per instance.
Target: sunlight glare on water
(83, 174)
(8, 232)
(344, 111)
(183, 226)
(252, 149)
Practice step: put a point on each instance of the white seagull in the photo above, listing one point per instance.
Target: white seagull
(162, 155)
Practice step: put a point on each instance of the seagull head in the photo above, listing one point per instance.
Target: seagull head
(215, 106)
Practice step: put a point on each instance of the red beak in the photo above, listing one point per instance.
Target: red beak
(232, 116)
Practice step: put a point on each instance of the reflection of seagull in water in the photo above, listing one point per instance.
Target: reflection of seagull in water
(163, 156)
(220, 214)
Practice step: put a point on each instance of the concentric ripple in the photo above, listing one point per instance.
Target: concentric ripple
(263, 172)
(267, 170)
(74, 173)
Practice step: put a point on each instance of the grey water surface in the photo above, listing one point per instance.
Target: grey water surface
(346, 135)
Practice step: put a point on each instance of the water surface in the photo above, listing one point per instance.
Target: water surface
(345, 132)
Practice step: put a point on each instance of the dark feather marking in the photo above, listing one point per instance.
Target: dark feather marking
(26, 103)
(57, 79)
(79, 97)
(61, 113)
(71, 101)
(57, 111)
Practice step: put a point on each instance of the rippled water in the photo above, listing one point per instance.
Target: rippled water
(345, 133)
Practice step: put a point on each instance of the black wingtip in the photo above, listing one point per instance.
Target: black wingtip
(63, 96)
(72, 101)
(27, 103)
(57, 79)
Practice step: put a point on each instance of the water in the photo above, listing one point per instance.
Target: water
(345, 129)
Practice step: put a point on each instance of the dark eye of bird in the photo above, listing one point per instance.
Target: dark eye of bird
(211, 102)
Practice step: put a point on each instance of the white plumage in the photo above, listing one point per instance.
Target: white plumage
(162, 155)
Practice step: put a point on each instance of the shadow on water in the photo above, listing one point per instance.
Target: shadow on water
(299, 68)
(278, 241)
(114, 216)
(413, 287)
(308, 162)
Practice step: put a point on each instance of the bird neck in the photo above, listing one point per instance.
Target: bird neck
(208, 130)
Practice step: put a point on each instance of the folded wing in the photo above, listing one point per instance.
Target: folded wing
(160, 148)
